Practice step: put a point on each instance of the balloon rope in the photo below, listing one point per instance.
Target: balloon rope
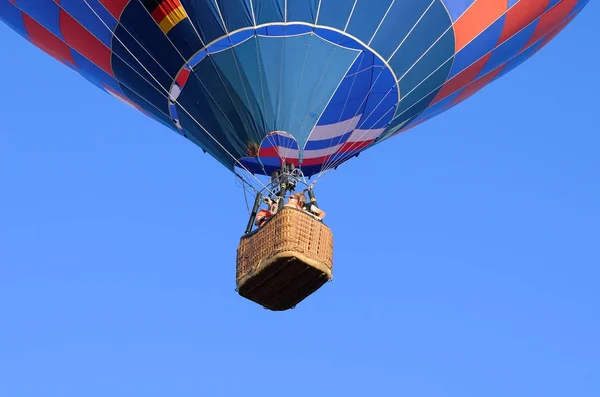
(185, 61)
(441, 85)
(340, 160)
(328, 164)
(346, 123)
(167, 95)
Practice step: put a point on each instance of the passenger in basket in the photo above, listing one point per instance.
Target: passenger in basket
(264, 214)
(298, 200)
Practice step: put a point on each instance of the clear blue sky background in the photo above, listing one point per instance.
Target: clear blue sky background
(467, 255)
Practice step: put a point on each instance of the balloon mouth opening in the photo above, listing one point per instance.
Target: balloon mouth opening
(311, 135)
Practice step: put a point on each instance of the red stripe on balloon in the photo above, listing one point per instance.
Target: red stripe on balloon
(47, 41)
(478, 84)
(115, 7)
(85, 43)
(462, 79)
(553, 18)
(521, 15)
(183, 77)
(165, 8)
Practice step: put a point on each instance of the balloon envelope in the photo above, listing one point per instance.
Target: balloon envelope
(313, 82)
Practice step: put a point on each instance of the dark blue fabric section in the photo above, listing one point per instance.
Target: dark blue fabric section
(234, 66)
(90, 70)
(46, 13)
(104, 18)
(335, 13)
(407, 116)
(145, 96)
(154, 50)
(236, 13)
(13, 17)
(302, 11)
(508, 49)
(88, 19)
(400, 20)
(214, 103)
(269, 11)
(256, 96)
(434, 25)
(428, 74)
(185, 39)
(479, 47)
(433, 84)
(150, 81)
(205, 18)
(366, 17)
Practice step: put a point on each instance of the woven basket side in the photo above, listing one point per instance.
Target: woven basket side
(288, 230)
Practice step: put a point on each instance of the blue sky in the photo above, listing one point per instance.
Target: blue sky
(466, 261)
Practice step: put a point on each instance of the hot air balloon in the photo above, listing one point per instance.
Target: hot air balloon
(282, 91)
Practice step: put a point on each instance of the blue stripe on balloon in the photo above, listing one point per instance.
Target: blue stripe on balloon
(13, 17)
(46, 13)
(477, 48)
(508, 49)
(92, 18)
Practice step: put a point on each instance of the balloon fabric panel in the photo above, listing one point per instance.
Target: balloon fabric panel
(315, 82)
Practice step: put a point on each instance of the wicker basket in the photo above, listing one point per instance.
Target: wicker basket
(284, 261)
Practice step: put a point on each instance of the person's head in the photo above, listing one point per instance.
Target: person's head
(298, 199)
(271, 205)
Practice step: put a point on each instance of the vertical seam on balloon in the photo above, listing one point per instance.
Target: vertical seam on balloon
(184, 63)
(479, 78)
(410, 31)
(486, 54)
(221, 16)
(301, 76)
(354, 145)
(381, 22)
(347, 122)
(110, 30)
(260, 76)
(184, 109)
(334, 163)
(206, 45)
(63, 40)
(446, 31)
(318, 11)
(454, 32)
(350, 16)
(285, 8)
(358, 52)
(159, 110)
(252, 12)
(237, 65)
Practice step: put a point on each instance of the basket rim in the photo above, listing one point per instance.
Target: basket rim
(253, 232)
